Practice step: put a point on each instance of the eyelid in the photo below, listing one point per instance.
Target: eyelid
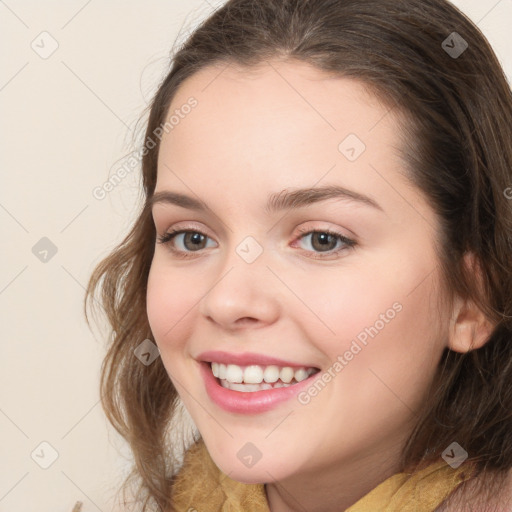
(320, 225)
(301, 230)
(186, 227)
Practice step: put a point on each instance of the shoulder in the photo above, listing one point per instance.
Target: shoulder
(464, 499)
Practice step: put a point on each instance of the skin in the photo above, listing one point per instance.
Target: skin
(256, 133)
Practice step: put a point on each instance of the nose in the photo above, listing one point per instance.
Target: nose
(242, 295)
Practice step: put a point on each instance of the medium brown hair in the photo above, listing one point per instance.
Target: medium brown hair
(457, 143)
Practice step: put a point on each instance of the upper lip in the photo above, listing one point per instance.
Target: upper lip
(246, 359)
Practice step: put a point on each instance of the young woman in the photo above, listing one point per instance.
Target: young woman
(321, 272)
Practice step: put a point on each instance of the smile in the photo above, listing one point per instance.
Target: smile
(257, 378)
(247, 397)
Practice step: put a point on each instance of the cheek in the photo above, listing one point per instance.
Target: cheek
(388, 310)
(170, 298)
(385, 348)
(400, 344)
(343, 302)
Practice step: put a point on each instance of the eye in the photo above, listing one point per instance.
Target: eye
(193, 237)
(194, 240)
(326, 241)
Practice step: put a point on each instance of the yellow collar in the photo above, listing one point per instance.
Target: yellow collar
(200, 485)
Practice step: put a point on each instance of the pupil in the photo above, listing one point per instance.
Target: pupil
(196, 238)
(323, 240)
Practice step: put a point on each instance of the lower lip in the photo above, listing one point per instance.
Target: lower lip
(251, 402)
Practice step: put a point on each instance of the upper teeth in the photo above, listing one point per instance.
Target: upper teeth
(255, 374)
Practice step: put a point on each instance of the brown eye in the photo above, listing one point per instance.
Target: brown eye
(323, 241)
(192, 241)
(326, 241)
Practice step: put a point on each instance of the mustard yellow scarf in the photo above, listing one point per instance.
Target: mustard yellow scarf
(201, 486)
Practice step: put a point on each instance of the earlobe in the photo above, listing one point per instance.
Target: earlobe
(469, 328)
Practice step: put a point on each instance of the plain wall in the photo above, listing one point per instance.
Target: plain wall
(66, 125)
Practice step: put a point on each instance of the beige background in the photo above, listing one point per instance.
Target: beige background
(66, 123)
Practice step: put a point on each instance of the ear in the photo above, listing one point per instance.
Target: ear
(469, 327)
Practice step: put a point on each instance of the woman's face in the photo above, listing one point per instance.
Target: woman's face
(262, 277)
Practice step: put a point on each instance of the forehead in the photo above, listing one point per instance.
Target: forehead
(278, 110)
(272, 88)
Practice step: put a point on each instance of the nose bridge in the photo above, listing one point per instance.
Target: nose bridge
(247, 252)
(242, 288)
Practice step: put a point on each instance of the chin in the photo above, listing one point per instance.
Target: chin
(248, 475)
(261, 472)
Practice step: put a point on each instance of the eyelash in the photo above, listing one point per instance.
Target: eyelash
(170, 235)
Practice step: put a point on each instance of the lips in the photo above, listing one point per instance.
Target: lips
(252, 401)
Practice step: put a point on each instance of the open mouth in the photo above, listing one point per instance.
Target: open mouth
(257, 377)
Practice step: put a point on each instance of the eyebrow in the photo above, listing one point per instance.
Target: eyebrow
(284, 200)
